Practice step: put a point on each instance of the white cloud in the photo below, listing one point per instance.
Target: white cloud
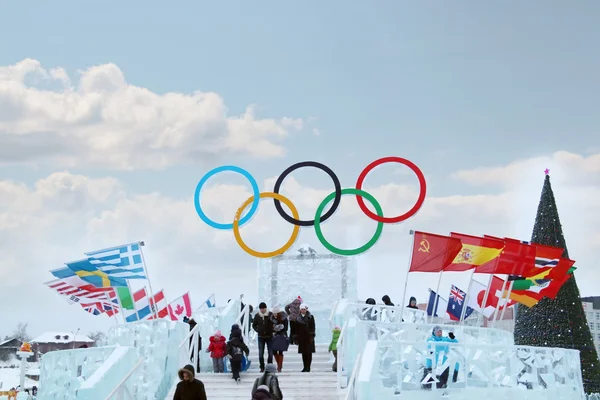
(105, 121)
(64, 215)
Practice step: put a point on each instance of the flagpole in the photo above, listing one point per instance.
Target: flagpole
(437, 296)
(500, 304)
(112, 305)
(132, 299)
(120, 305)
(507, 300)
(412, 245)
(481, 316)
(467, 296)
(142, 244)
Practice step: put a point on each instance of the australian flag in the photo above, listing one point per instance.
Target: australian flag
(456, 302)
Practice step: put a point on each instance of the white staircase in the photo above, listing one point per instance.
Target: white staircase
(319, 383)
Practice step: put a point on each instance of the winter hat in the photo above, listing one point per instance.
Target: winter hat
(270, 368)
(303, 306)
(189, 369)
(300, 298)
(218, 333)
(435, 329)
(276, 310)
(262, 305)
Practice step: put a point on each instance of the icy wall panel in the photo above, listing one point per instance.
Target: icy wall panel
(321, 281)
(62, 372)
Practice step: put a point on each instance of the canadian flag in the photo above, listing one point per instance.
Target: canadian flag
(180, 307)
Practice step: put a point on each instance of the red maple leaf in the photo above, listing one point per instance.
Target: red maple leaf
(179, 309)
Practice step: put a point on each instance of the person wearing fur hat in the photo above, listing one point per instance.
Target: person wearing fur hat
(268, 379)
(435, 350)
(262, 393)
(281, 342)
(292, 310)
(305, 336)
(217, 349)
(263, 325)
(189, 388)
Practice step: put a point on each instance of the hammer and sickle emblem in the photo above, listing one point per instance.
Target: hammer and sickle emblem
(424, 245)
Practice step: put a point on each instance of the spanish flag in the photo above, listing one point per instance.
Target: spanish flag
(479, 253)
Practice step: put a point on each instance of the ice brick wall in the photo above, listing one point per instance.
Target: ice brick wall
(321, 281)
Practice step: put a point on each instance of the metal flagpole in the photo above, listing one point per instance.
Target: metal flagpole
(500, 303)
(412, 245)
(507, 300)
(132, 299)
(437, 296)
(120, 305)
(153, 308)
(467, 296)
(481, 316)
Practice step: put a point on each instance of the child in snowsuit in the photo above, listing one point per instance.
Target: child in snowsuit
(235, 352)
(217, 349)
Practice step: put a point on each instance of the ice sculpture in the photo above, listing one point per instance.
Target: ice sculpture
(320, 279)
(151, 351)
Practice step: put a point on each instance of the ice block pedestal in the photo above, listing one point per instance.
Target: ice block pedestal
(321, 281)
(23, 356)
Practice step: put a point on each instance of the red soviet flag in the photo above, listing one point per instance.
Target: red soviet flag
(433, 253)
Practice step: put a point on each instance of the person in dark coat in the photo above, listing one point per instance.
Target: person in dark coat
(262, 393)
(292, 310)
(235, 351)
(189, 388)
(387, 301)
(263, 325)
(281, 341)
(412, 303)
(305, 336)
(192, 323)
(268, 379)
(369, 313)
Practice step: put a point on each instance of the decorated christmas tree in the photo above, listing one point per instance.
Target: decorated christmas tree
(560, 322)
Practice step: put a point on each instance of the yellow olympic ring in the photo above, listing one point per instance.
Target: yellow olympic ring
(281, 250)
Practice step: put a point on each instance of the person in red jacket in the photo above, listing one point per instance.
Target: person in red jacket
(218, 350)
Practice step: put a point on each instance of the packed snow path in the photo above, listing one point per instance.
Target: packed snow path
(293, 383)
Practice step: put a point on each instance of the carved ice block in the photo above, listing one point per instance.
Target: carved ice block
(321, 281)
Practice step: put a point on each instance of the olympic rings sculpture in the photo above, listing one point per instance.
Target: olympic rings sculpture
(294, 219)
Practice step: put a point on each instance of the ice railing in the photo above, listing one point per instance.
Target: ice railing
(381, 313)
(357, 332)
(501, 372)
(157, 343)
(63, 372)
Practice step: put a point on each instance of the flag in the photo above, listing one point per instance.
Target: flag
(456, 302)
(123, 261)
(71, 293)
(495, 293)
(476, 252)
(180, 307)
(210, 302)
(100, 307)
(432, 253)
(122, 295)
(159, 304)
(440, 307)
(540, 286)
(516, 258)
(89, 273)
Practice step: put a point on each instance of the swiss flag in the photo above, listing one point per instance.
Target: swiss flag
(180, 307)
(493, 302)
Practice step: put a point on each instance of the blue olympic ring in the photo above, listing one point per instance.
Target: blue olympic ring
(215, 171)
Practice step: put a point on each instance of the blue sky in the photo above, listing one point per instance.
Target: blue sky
(452, 86)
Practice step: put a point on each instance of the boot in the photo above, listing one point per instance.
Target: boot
(279, 362)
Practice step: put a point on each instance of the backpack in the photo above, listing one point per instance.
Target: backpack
(236, 352)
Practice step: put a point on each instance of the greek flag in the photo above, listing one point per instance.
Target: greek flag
(123, 261)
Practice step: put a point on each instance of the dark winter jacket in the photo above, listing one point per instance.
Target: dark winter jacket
(305, 333)
(217, 347)
(263, 324)
(236, 342)
(410, 301)
(189, 390)
(269, 380)
(280, 328)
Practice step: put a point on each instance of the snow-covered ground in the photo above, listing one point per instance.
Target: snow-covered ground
(9, 377)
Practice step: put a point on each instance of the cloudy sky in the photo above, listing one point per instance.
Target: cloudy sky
(109, 117)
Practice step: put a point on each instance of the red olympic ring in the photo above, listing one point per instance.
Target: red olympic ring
(409, 213)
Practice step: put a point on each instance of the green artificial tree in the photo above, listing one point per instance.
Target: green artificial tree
(560, 322)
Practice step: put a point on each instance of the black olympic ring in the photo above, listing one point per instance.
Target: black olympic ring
(336, 200)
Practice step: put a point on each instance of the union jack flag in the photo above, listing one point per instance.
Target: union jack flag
(457, 295)
(100, 307)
